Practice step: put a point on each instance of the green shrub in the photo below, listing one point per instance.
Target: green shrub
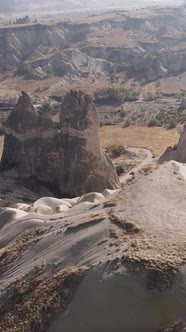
(113, 77)
(122, 114)
(172, 124)
(126, 124)
(131, 95)
(48, 107)
(133, 118)
(115, 94)
(153, 123)
(23, 70)
(90, 96)
(119, 170)
(148, 96)
(117, 150)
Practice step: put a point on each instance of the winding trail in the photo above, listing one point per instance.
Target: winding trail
(148, 159)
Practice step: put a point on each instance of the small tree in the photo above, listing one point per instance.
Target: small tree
(47, 106)
(122, 114)
(90, 96)
(117, 150)
(126, 124)
(154, 123)
(148, 96)
(172, 124)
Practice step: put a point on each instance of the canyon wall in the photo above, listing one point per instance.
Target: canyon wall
(144, 47)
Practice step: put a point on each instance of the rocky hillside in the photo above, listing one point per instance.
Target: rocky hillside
(146, 45)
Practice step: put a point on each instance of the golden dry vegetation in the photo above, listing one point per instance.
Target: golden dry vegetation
(12, 85)
(54, 85)
(156, 139)
(104, 37)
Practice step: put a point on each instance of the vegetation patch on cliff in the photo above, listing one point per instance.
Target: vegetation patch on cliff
(11, 252)
(35, 299)
(86, 222)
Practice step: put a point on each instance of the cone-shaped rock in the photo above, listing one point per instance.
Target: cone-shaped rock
(66, 157)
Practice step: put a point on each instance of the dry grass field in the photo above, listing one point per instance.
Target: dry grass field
(12, 85)
(156, 139)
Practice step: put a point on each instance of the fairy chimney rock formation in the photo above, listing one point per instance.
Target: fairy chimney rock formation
(66, 157)
(178, 152)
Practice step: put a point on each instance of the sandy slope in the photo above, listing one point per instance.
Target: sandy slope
(142, 227)
(154, 205)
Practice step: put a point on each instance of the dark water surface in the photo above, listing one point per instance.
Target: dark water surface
(121, 303)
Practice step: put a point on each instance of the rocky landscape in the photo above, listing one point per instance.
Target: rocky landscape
(112, 236)
(131, 63)
(92, 218)
(147, 46)
(57, 251)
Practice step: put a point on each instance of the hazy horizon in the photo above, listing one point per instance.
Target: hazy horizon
(73, 5)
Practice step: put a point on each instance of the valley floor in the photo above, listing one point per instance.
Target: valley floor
(156, 139)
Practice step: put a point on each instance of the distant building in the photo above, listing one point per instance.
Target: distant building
(6, 5)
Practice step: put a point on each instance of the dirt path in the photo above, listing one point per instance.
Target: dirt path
(144, 164)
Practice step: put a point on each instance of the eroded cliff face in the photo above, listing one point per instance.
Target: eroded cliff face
(178, 152)
(65, 156)
(24, 45)
(145, 47)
